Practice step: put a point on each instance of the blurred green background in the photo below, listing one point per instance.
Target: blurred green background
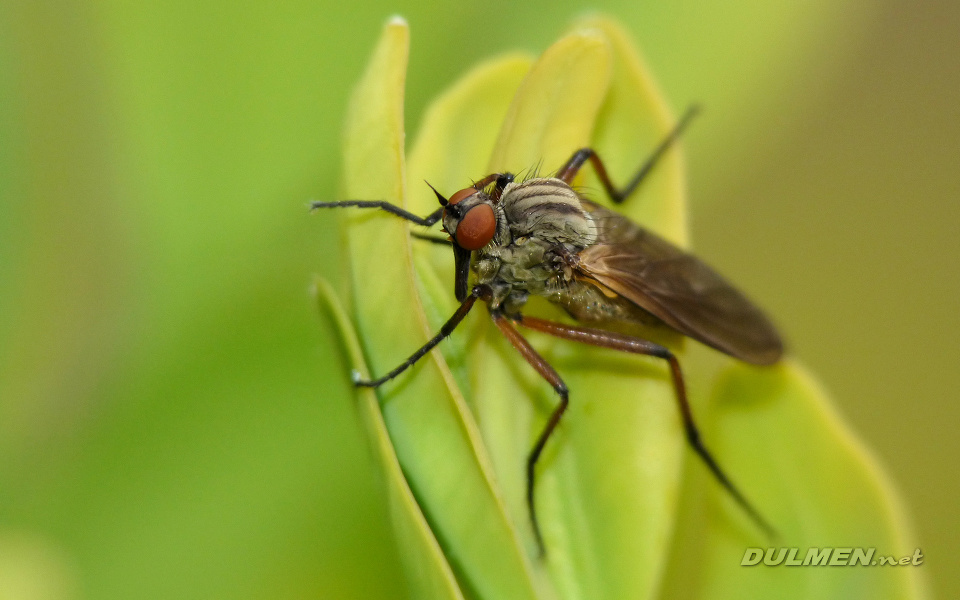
(173, 413)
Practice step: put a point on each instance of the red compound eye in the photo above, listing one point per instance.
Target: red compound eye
(477, 227)
(464, 193)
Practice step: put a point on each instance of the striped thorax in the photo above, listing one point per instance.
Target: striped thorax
(537, 221)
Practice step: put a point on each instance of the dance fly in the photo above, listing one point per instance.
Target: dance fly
(541, 237)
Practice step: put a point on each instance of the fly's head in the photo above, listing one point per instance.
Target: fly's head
(469, 217)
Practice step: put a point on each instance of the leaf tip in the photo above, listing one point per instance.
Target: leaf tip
(397, 21)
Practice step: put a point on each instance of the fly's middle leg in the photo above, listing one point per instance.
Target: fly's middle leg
(547, 372)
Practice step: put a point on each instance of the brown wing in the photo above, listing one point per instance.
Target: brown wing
(678, 288)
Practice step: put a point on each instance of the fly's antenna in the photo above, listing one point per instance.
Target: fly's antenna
(440, 198)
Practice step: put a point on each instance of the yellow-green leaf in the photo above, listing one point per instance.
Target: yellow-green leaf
(812, 479)
(432, 431)
(428, 573)
(553, 112)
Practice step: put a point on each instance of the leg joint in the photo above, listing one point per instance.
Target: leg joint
(664, 353)
(481, 292)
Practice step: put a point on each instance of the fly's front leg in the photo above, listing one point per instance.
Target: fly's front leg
(625, 343)
(570, 170)
(480, 291)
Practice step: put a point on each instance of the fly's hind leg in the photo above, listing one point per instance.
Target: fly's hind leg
(625, 343)
(581, 156)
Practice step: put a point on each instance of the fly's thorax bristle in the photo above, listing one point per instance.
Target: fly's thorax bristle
(547, 209)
